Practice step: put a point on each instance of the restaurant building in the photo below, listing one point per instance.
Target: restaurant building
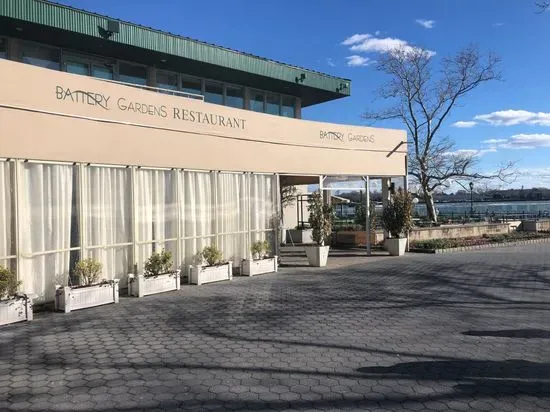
(118, 139)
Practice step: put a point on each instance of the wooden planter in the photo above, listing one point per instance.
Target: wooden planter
(207, 274)
(17, 309)
(69, 298)
(141, 285)
(259, 266)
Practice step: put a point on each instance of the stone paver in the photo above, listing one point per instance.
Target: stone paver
(467, 331)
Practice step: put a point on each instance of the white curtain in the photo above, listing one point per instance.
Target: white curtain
(46, 214)
(156, 213)
(232, 210)
(6, 215)
(197, 210)
(263, 207)
(108, 214)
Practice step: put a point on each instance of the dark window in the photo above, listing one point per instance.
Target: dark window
(129, 73)
(257, 101)
(272, 102)
(191, 85)
(234, 96)
(41, 56)
(3, 49)
(167, 81)
(213, 92)
(288, 107)
(77, 68)
(102, 72)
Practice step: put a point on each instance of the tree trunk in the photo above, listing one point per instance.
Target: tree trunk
(430, 206)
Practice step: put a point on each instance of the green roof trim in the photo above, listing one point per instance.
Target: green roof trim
(82, 22)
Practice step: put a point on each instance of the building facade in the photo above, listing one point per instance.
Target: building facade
(117, 140)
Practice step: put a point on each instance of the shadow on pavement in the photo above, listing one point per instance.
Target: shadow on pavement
(511, 333)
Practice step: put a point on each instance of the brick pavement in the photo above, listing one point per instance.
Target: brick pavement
(468, 331)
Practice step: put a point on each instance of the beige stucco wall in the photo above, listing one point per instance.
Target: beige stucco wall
(51, 115)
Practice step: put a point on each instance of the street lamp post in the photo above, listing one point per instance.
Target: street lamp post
(471, 199)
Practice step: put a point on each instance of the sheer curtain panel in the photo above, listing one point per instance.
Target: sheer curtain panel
(46, 208)
(156, 213)
(7, 223)
(108, 219)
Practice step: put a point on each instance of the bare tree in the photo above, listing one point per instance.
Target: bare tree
(423, 99)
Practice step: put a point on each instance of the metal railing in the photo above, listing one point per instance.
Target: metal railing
(159, 90)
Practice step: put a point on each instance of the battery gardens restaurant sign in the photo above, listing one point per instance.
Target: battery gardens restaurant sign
(105, 102)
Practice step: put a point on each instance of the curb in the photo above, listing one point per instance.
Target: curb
(477, 247)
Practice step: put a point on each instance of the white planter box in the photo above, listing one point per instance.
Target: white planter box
(14, 310)
(396, 246)
(68, 298)
(258, 267)
(317, 255)
(206, 274)
(142, 286)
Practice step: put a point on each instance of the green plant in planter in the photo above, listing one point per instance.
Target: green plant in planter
(158, 263)
(361, 215)
(320, 219)
(88, 271)
(211, 255)
(8, 283)
(397, 214)
(261, 249)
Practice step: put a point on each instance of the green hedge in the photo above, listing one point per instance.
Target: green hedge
(476, 241)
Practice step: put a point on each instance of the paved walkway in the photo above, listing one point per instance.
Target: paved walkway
(467, 331)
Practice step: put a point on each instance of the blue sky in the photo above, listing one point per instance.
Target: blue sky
(512, 117)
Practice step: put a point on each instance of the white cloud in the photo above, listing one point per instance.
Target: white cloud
(515, 117)
(494, 141)
(464, 125)
(356, 38)
(427, 24)
(367, 43)
(472, 152)
(526, 141)
(499, 24)
(330, 62)
(358, 61)
(377, 33)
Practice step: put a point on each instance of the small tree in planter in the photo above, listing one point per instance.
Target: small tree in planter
(397, 220)
(91, 292)
(158, 276)
(211, 267)
(14, 307)
(320, 219)
(260, 262)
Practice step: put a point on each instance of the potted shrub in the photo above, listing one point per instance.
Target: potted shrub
(158, 276)
(90, 292)
(260, 262)
(210, 267)
(320, 218)
(397, 220)
(14, 307)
